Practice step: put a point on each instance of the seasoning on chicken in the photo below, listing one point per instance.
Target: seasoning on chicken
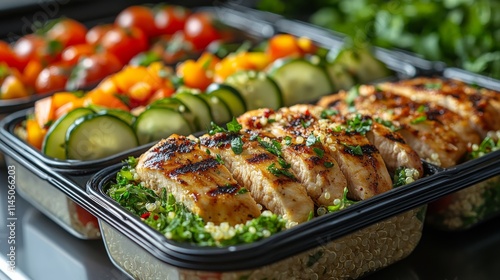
(196, 179)
(264, 174)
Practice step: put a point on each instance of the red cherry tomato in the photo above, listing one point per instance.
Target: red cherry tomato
(170, 19)
(92, 69)
(138, 16)
(124, 43)
(35, 47)
(52, 78)
(67, 31)
(200, 31)
(10, 58)
(95, 34)
(72, 54)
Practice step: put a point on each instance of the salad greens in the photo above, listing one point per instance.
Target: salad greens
(462, 33)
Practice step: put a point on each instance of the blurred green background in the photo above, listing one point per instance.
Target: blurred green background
(461, 33)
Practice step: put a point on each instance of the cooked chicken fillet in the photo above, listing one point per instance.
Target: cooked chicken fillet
(481, 108)
(253, 168)
(423, 126)
(315, 168)
(359, 161)
(197, 180)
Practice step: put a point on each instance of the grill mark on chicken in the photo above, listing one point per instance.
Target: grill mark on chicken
(197, 180)
(260, 158)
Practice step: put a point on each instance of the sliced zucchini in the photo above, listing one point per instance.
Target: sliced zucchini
(341, 78)
(257, 89)
(156, 123)
(230, 96)
(199, 107)
(98, 136)
(362, 64)
(221, 113)
(54, 143)
(177, 105)
(300, 80)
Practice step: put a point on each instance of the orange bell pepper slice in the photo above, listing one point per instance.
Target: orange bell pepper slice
(34, 133)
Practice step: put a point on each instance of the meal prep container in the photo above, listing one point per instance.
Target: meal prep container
(348, 244)
(53, 200)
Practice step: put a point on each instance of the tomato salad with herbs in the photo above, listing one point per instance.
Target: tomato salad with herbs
(67, 55)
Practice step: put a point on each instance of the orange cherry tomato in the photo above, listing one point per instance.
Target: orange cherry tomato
(67, 31)
(194, 75)
(124, 43)
(200, 31)
(72, 54)
(170, 19)
(283, 45)
(141, 17)
(97, 97)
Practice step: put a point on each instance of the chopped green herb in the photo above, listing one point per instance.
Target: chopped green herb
(311, 140)
(488, 145)
(328, 164)
(242, 191)
(359, 124)
(279, 171)
(237, 145)
(311, 216)
(306, 124)
(387, 124)
(233, 126)
(271, 120)
(339, 204)
(274, 147)
(352, 94)
(319, 152)
(421, 109)
(214, 128)
(355, 150)
(207, 151)
(419, 120)
(325, 114)
(219, 159)
(288, 140)
(431, 86)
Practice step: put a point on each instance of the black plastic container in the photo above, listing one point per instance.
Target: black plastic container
(358, 240)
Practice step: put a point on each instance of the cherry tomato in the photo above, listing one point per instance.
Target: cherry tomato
(124, 43)
(72, 54)
(67, 31)
(138, 16)
(9, 57)
(92, 69)
(170, 19)
(35, 47)
(172, 49)
(200, 31)
(95, 34)
(194, 74)
(283, 45)
(52, 78)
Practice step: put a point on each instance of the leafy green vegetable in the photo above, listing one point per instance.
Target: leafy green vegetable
(358, 124)
(488, 145)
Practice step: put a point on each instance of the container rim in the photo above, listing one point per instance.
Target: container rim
(297, 239)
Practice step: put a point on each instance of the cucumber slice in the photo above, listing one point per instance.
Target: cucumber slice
(199, 107)
(54, 143)
(257, 89)
(362, 64)
(221, 114)
(156, 123)
(178, 106)
(300, 80)
(124, 115)
(98, 136)
(340, 77)
(230, 96)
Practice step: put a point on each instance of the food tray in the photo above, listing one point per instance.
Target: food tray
(320, 248)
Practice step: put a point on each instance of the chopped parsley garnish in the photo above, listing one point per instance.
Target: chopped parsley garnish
(431, 86)
(399, 177)
(311, 140)
(328, 164)
(176, 222)
(207, 151)
(319, 152)
(274, 147)
(352, 94)
(421, 109)
(306, 124)
(358, 124)
(234, 126)
(214, 128)
(419, 120)
(355, 150)
(387, 124)
(288, 140)
(339, 204)
(219, 159)
(325, 114)
(488, 145)
(279, 171)
(237, 145)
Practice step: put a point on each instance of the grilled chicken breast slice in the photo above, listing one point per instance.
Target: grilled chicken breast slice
(359, 161)
(480, 108)
(315, 168)
(196, 179)
(423, 126)
(258, 170)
